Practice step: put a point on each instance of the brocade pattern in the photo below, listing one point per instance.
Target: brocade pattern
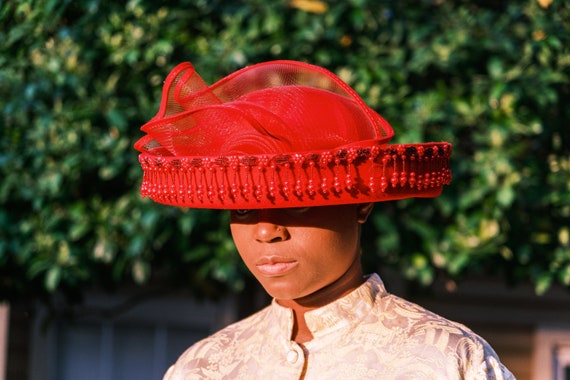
(368, 334)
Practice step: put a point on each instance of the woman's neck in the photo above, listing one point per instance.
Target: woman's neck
(349, 281)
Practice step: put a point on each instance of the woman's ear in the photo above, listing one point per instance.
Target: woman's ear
(363, 210)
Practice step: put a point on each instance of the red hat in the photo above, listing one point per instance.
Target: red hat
(275, 135)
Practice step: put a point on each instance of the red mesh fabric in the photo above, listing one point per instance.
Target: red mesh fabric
(277, 107)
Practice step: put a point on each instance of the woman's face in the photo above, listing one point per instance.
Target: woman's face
(295, 252)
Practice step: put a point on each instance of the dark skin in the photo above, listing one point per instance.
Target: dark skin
(304, 258)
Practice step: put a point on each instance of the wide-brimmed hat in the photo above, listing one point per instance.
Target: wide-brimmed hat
(278, 134)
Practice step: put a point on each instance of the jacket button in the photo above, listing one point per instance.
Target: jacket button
(292, 356)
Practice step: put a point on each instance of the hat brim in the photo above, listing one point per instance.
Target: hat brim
(359, 173)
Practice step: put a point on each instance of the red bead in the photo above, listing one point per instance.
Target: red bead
(403, 179)
(372, 184)
(394, 180)
(412, 179)
(348, 182)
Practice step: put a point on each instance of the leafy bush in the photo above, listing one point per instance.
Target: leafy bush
(77, 79)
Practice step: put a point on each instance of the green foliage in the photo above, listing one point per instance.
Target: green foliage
(77, 79)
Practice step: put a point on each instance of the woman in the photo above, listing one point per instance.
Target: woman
(299, 160)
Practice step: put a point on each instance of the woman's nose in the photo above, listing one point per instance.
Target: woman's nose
(267, 232)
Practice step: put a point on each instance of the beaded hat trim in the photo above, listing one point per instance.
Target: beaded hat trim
(352, 175)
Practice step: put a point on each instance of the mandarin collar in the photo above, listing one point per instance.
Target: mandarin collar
(345, 311)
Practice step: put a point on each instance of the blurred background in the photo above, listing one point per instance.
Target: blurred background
(98, 283)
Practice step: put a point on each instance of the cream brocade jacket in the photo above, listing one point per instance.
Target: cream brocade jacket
(368, 334)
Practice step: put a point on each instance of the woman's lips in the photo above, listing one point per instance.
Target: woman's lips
(273, 267)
